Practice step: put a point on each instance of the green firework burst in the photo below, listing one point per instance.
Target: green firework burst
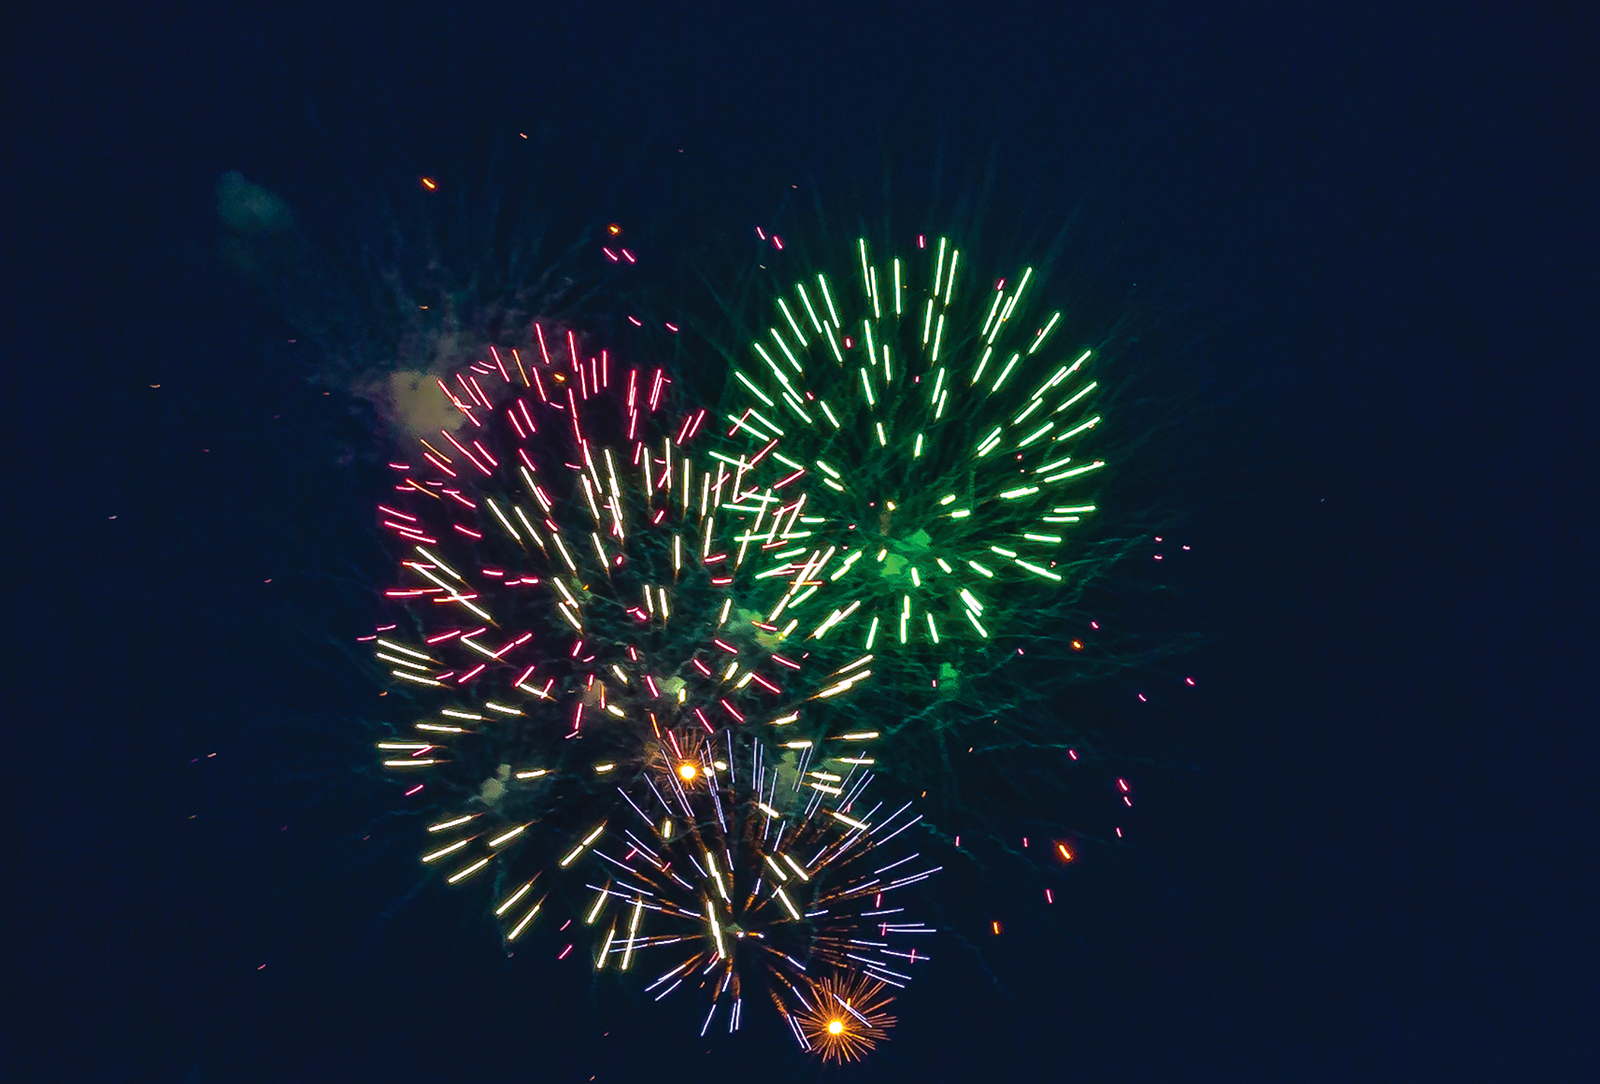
(934, 425)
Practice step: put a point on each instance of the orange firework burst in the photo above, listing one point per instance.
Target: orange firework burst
(846, 1017)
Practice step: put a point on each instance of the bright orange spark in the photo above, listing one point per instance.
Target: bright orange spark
(845, 1019)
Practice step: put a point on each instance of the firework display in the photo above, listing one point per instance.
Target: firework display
(754, 870)
(935, 427)
(642, 637)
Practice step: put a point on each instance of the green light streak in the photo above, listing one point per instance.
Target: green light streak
(1031, 407)
(793, 402)
(798, 334)
(1075, 471)
(747, 382)
(994, 311)
(1036, 434)
(827, 296)
(838, 355)
(977, 374)
(1044, 332)
(1085, 390)
(743, 422)
(1026, 275)
(1001, 379)
(786, 353)
(758, 417)
(805, 298)
(1090, 424)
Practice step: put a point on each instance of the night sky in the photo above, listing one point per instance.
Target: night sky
(1363, 243)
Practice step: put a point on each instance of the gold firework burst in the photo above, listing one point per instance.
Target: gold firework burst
(846, 1017)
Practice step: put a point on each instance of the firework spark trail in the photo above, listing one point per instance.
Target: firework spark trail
(935, 434)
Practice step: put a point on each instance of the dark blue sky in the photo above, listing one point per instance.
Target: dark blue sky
(1373, 858)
